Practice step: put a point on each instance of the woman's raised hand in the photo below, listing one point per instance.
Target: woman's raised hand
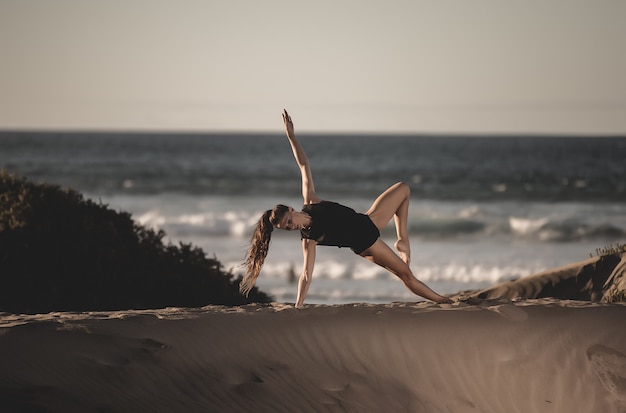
(288, 123)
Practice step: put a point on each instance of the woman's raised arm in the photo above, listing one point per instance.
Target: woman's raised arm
(308, 187)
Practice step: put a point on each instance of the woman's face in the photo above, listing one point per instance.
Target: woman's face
(292, 220)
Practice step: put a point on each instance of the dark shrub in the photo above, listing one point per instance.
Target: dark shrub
(59, 251)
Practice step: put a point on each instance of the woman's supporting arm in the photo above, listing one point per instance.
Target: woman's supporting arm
(308, 187)
(308, 252)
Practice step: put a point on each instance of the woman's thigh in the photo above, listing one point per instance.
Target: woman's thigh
(381, 254)
(387, 203)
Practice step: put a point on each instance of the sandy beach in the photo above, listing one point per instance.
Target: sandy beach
(492, 351)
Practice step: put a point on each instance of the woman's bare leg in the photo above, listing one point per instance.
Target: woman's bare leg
(394, 203)
(381, 254)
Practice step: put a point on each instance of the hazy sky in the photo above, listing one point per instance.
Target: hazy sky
(397, 66)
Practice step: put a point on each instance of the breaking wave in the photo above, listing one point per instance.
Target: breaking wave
(240, 223)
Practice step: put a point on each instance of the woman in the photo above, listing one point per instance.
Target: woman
(328, 223)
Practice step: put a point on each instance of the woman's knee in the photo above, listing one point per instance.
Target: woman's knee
(405, 274)
(403, 187)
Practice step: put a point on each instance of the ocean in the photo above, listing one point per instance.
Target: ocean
(483, 209)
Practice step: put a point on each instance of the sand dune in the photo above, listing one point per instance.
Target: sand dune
(542, 355)
(596, 279)
(508, 348)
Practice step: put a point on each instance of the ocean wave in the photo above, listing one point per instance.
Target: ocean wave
(544, 229)
(207, 224)
(241, 223)
(525, 226)
(461, 273)
(334, 282)
(447, 227)
(437, 168)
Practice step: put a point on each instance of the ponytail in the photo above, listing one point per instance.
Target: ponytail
(259, 246)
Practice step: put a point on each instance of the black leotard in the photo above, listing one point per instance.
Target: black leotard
(337, 225)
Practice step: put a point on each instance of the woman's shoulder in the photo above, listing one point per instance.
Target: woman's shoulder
(318, 203)
(312, 199)
(325, 205)
(313, 206)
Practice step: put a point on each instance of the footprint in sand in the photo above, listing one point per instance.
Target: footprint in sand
(610, 367)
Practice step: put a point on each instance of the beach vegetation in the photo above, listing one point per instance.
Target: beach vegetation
(60, 251)
(610, 249)
(615, 296)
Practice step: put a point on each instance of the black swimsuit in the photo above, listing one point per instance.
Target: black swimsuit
(337, 225)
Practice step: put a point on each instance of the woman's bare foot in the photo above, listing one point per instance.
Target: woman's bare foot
(404, 249)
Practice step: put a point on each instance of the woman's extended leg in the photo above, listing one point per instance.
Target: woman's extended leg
(394, 203)
(381, 254)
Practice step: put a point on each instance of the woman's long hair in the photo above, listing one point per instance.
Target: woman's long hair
(259, 246)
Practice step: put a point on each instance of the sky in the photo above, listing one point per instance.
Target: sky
(441, 66)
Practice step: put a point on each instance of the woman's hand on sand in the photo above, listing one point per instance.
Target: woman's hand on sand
(288, 123)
